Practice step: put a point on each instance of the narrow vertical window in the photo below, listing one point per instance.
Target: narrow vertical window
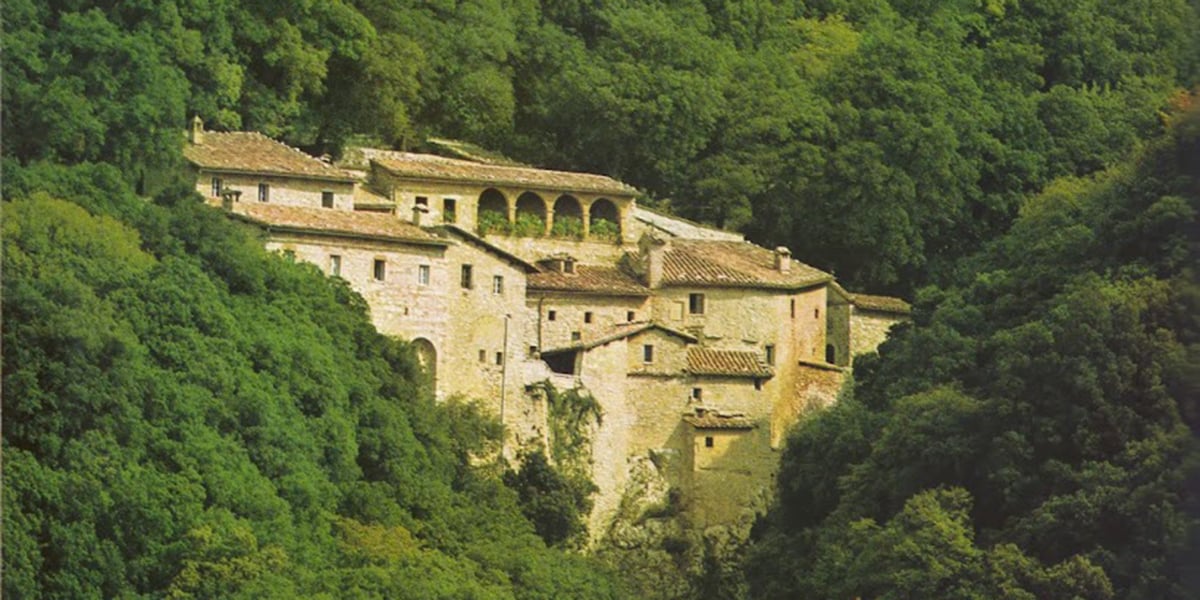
(697, 394)
(216, 187)
(449, 210)
(466, 280)
(696, 304)
(380, 271)
(629, 315)
(327, 199)
(497, 284)
(793, 308)
(533, 352)
(758, 384)
(335, 265)
(708, 441)
(264, 192)
(770, 352)
(551, 315)
(483, 356)
(648, 353)
(816, 313)
(587, 317)
(423, 274)
(499, 358)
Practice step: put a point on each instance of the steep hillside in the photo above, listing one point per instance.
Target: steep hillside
(1034, 433)
(188, 416)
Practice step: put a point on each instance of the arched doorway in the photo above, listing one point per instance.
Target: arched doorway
(604, 222)
(492, 214)
(531, 216)
(427, 358)
(568, 218)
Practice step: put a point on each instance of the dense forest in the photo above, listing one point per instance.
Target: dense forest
(186, 415)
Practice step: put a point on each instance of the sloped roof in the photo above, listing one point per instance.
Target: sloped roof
(887, 304)
(332, 222)
(463, 234)
(430, 166)
(733, 264)
(683, 228)
(618, 332)
(715, 420)
(727, 363)
(252, 152)
(588, 279)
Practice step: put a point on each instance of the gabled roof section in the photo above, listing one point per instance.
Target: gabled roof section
(255, 153)
(588, 279)
(619, 332)
(887, 304)
(463, 234)
(709, 263)
(430, 166)
(683, 228)
(726, 363)
(334, 223)
(712, 419)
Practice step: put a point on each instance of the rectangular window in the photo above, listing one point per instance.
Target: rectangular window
(816, 313)
(423, 274)
(422, 201)
(793, 308)
(467, 282)
(532, 351)
(758, 385)
(483, 356)
(216, 187)
(551, 315)
(497, 284)
(770, 348)
(449, 210)
(697, 394)
(695, 304)
(499, 358)
(335, 265)
(380, 269)
(629, 316)
(326, 199)
(648, 353)
(587, 317)
(576, 336)
(708, 441)
(264, 192)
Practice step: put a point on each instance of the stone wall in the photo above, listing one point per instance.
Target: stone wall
(731, 468)
(869, 328)
(569, 316)
(288, 191)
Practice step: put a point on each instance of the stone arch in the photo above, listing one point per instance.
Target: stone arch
(568, 217)
(604, 220)
(427, 358)
(531, 215)
(492, 212)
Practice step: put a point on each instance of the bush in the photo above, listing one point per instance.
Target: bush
(567, 227)
(603, 229)
(529, 225)
(493, 222)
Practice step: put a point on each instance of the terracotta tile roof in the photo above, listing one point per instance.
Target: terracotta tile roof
(430, 166)
(728, 363)
(588, 279)
(618, 332)
(710, 419)
(331, 222)
(882, 304)
(251, 152)
(733, 264)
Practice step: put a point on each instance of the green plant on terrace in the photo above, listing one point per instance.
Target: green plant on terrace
(529, 225)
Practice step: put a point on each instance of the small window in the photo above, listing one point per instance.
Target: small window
(483, 356)
(793, 308)
(264, 192)
(498, 284)
(449, 210)
(708, 441)
(335, 265)
(576, 336)
(697, 394)
(216, 187)
(422, 201)
(816, 313)
(532, 351)
(499, 358)
(326, 199)
(830, 354)
(629, 316)
(423, 274)
(569, 266)
(467, 282)
(648, 353)
(552, 315)
(695, 304)
(770, 352)
(758, 385)
(587, 317)
(380, 269)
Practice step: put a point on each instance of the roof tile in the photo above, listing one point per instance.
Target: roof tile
(408, 164)
(333, 222)
(588, 279)
(882, 304)
(253, 152)
(728, 363)
(733, 264)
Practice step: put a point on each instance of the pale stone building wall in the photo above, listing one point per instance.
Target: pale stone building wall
(570, 316)
(587, 252)
(869, 328)
(288, 191)
(728, 472)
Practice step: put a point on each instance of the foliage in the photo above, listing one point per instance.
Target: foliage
(529, 225)
(187, 415)
(567, 227)
(492, 222)
(556, 504)
(1032, 434)
(603, 229)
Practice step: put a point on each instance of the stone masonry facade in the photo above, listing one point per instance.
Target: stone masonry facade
(702, 349)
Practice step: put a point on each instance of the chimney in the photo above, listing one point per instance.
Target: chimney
(783, 259)
(228, 198)
(196, 133)
(653, 251)
(417, 210)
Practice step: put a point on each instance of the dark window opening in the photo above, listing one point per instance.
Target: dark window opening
(648, 353)
(793, 308)
(422, 201)
(497, 284)
(708, 441)
(770, 351)
(216, 187)
(326, 199)
(562, 363)
(380, 269)
(483, 356)
(264, 192)
(629, 316)
(551, 315)
(697, 394)
(587, 317)
(499, 358)
(816, 313)
(449, 210)
(696, 304)
(758, 384)
(533, 351)
(830, 354)
(335, 265)
(466, 281)
(575, 336)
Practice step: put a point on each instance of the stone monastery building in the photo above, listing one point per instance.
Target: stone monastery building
(699, 346)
